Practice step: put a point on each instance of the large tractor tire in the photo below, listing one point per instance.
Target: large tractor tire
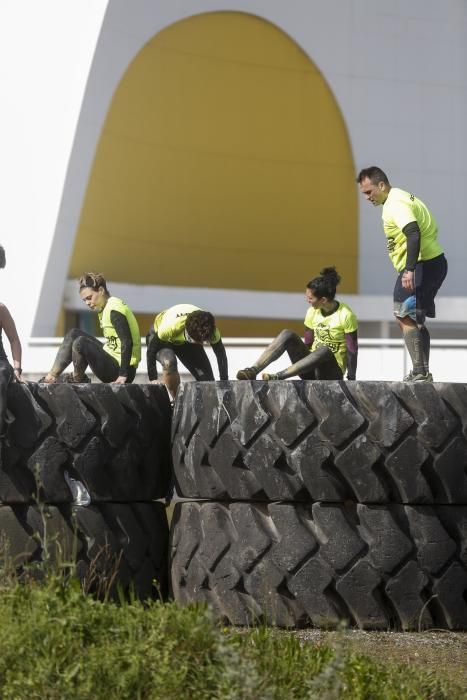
(312, 441)
(112, 547)
(289, 564)
(114, 439)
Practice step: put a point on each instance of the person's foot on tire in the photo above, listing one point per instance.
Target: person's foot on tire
(48, 379)
(73, 378)
(247, 373)
(428, 377)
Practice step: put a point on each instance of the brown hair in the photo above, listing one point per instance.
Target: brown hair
(94, 280)
(200, 325)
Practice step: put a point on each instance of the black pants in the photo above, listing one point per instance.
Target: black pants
(420, 303)
(318, 364)
(84, 349)
(6, 375)
(193, 356)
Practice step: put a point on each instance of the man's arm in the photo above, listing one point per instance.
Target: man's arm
(151, 355)
(8, 325)
(351, 344)
(221, 357)
(413, 234)
(120, 324)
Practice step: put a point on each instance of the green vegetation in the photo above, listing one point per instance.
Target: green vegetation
(57, 643)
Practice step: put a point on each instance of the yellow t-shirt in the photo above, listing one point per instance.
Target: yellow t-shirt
(400, 209)
(113, 344)
(330, 330)
(170, 324)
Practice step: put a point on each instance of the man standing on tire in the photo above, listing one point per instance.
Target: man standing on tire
(412, 241)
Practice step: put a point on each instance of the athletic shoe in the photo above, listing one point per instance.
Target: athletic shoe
(270, 377)
(428, 377)
(247, 373)
(70, 379)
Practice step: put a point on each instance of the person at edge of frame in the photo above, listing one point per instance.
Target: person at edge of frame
(412, 241)
(117, 359)
(180, 332)
(8, 373)
(330, 344)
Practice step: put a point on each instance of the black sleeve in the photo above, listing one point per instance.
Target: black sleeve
(151, 355)
(221, 357)
(120, 324)
(351, 342)
(412, 233)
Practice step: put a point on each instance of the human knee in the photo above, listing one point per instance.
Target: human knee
(73, 334)
(168, 361)
(286, 336)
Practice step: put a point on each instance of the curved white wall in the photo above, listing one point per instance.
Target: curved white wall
(397, 71)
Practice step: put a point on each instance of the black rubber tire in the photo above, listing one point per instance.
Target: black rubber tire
(113, 545)
(326, 441)
(377, 567)
(114, 439)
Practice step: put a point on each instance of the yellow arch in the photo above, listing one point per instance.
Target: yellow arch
(224, 161)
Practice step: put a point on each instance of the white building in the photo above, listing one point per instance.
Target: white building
(206, 151)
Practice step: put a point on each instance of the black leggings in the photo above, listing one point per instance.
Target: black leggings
(193, 356)
(319, 364)
(6, 375)
(83, 349)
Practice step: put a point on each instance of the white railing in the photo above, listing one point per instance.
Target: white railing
(378, 359)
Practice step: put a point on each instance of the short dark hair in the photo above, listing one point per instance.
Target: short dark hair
(2, 257)
(200, 325)
(374, 174)
(325, 285)
(93, 280)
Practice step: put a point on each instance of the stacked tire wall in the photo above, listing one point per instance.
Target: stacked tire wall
(312, 503)
(113, 439)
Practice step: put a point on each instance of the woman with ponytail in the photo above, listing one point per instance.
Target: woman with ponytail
(330, 345)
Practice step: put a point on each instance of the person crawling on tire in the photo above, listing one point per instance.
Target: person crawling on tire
(117, 359)
(7, 372)
(330, 344)
(180, 332)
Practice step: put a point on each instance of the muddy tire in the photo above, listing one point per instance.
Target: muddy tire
(114, 439)
(376, 567)
(111, 545)
(304, 441)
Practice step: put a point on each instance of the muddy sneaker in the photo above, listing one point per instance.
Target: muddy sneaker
(270, 377)
(71, 379)
(47, 379)
(428, 377)
(78, 490)
(247, 373)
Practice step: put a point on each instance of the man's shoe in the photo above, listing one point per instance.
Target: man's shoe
(428, 377)
(247, 373)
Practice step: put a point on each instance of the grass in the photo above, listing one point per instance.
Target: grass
(57, 643)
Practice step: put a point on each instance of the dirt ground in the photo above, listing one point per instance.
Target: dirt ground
(442, 652)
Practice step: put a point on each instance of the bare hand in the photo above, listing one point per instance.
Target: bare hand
(18, 377)
(120, 380)
(408, 280)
